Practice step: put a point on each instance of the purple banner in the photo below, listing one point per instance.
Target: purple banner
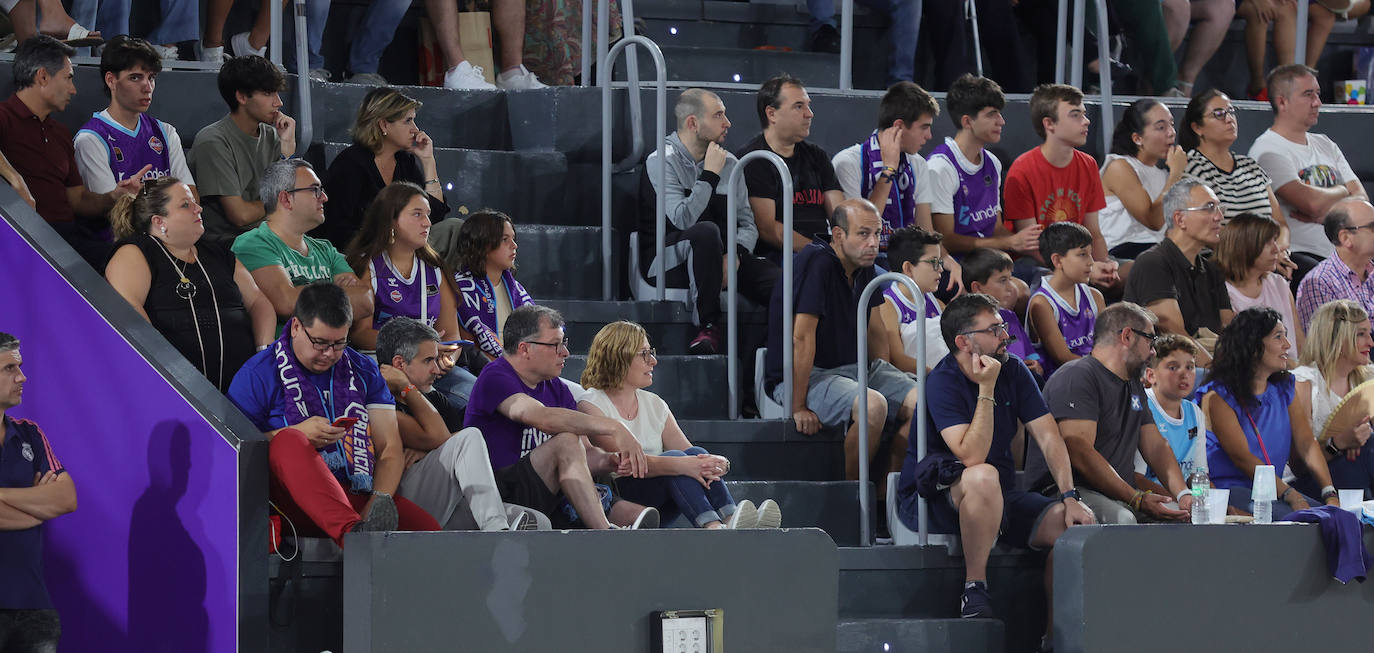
(148, 561)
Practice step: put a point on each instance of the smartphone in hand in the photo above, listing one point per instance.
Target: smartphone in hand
(345, 422)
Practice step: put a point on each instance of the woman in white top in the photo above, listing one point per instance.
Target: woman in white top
(682, 479)
(1133, 181)
(1335, 359)
(1248, 254)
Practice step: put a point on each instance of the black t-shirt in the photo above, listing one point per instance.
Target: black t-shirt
(1162, 272)
(820, 288)
(453, 418)
(812, 176)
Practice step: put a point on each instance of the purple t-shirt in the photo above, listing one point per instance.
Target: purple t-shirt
(507, 440)
(1075, 323)
(1022, 347)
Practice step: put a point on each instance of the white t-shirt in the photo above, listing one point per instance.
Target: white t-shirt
(647, 426)
(1319, 163)
(1118, 225)
(944, 179)
(847, 166)
(911, 331)
(93, 158)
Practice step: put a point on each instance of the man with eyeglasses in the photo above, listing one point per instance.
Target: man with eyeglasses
(1350, 273)
(968, 475)
(334, 453)
(1184, 290)
(1104, 417)
(1307, 171)
(281, 257)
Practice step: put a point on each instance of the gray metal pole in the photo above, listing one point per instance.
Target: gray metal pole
(1076, 70)
(846, 45)
(732, 264)
(305, 113)
(627, 8)
(1104, 77)
(1062, 31)
(1300, 44)
(603, 37)
(861, 338)
(659, 204)
(587, 45)
(977, 42)
(274, 40)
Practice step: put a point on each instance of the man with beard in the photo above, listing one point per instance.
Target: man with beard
(1103, 414)
(968, 476)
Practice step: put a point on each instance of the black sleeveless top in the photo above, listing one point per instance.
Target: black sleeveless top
(216, 347)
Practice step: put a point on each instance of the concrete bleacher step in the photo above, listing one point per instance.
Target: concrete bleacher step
(919, 635)
(751, 66)
(832, 506)
(770, 450)
(692, 385)
(559, 261)
(669, 323)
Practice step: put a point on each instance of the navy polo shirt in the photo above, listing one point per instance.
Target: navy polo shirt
(819, 288)
(24, 452)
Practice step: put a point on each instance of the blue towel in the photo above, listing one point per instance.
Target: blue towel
(1346, 556)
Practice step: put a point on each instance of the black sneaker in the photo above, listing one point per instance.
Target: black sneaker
(975, 603)
(825, 39)
(706, 342)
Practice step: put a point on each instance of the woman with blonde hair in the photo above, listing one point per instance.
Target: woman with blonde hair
(682, 478)
(1248, 254)
(194, 292)
(387, 146)
(1335, 359)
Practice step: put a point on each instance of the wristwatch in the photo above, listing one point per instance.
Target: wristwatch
(1071, 494)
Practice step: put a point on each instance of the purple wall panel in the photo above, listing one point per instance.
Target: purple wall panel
(148, 560)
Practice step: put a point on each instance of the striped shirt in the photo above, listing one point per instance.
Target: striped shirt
(1333, 279)
(1245, 188)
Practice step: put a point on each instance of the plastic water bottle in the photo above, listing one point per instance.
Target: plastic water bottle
(1264, 512)
(1200, 483)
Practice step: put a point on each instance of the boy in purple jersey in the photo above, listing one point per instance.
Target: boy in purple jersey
(1064, 308)
(916, 253)
(988, 271)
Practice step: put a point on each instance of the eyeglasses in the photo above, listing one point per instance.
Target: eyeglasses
(1221, 114)
(1368, 227)
(649, 355)
(996, 329)
(937, 263)
(315, 189)
(562, 343)
(321, 345)
(1211, 208)
(1148, 336)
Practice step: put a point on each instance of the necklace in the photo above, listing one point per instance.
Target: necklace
(185, 289)
(189, 289)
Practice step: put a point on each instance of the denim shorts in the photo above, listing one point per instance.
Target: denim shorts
(830, 392)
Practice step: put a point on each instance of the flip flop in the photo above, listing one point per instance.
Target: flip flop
(79, 37)
(1339, 7)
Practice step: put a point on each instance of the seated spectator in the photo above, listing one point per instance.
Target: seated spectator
(1249, 400)
(387, 146)
(118, 142)
(1350, 273)
(37, 151)
(374, 32)
(281, 258)
(785, 115)
(508, 24)
(916, 253)
(696, 203)
(1100, 405)
(904, 29)
(391, 256)
(950, 45)
(1064, 308)
(485, 277)
(37, 489)
(30, 18)
(829, 278)
(682, 478)
(1204, 22)
(334, 453)
(229, 155)
(447, 470)
(1056, 182)
(1248, 255)
(988, 271)
(1335, 360)
(242, 44)
(196, 294)
(1172, 375)
(1260, 14)
(1134, 181)
(538, 441)
(967, 476)
(1184, 290)
(1308, 171)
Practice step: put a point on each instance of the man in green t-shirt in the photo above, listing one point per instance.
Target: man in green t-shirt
(281, 257)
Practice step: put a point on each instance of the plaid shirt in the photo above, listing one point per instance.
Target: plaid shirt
(1333, 279)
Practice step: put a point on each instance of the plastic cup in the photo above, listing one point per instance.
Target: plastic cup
(1351, 499)
(1217, 500)
(1263, 488)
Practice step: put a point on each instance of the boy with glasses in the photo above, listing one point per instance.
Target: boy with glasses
(915, 253)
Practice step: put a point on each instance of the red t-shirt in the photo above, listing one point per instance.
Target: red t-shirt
(41, 151)
(1037, 189)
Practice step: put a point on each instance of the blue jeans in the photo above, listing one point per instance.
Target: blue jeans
(906, 24)
(457, 386)
(674, 495)
(374, 33)
(180, 19)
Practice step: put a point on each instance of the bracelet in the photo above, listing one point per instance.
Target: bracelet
(1328, 492)
(407, 390)
(1284, 495)
(1134, 503)
(1179, 496)
(988, 399)
(431, 181)
(262, 347)
(379, 493)
(1331, 447)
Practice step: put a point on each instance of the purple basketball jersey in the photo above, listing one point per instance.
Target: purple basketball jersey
(1022, 346)
(1075, 323)
(130, 151)
(906, 312)
(975, 201)
(395, 296)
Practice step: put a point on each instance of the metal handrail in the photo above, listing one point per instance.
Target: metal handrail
(861, 338)
(274, 38)
(661, 93)
(1104, 68)
(305, 123)
(732, 274)
(587, 44)
(1300, 43)
(847, 45)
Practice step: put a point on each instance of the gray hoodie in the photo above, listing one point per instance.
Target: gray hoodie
(691, 189)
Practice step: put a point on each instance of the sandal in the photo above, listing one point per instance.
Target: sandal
(1339, 7)
(78, 37)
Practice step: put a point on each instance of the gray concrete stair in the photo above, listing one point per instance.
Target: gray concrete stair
(690, 384)
(832, 506)
(770, 450)
(918, 635)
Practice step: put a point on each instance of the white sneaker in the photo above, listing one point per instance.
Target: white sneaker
(648, 518)
(213, 55)
(368, 79)
(518, 79)
(320, 75)
(239, 44)
(770, 515)
(466, 76)
(745, 516)
(167, 52)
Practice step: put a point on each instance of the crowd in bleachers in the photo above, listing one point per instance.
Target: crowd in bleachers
(1050, 299)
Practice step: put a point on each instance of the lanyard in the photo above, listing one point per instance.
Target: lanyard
(1263, 449)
